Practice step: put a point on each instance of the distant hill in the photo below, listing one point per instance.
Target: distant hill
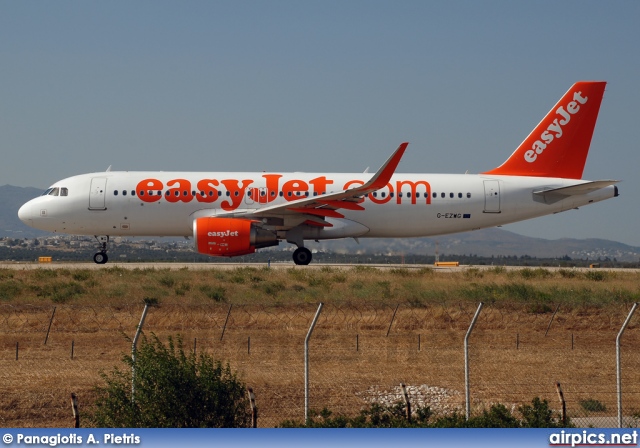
(487, 242)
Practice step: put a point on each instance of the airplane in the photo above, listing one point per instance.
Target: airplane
(233, 214)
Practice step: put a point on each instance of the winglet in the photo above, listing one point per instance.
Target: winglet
(383, 175)
(559, 145)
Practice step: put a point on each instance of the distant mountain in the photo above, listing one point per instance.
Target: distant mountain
(487, 242)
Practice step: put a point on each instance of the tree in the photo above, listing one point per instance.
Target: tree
(172, 390)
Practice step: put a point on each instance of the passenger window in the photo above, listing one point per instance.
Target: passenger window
(124, 192)
(460, 195)
(133, 192)
(281, 194)
(417, 195)
(451, 195)
(442, 195)
(435, 195)
(468, 195)
(391, 195)
(383, 194)
(115, 192)
(248, 194)
(409, 194)
(400, 194)
(375, 194)
(228, 193)
(141, 192)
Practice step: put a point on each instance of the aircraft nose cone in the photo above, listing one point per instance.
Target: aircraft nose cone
(26, 213)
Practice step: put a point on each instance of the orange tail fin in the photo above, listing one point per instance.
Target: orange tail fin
(559, 145)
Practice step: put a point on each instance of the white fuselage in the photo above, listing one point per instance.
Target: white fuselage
(412, 205)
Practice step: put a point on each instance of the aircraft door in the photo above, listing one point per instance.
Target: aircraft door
(97, 194)
(491, 196)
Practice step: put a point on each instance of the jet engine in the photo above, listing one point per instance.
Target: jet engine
(230, 237)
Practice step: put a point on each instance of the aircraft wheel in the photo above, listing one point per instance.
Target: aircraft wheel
(302, 256)
(100, 258)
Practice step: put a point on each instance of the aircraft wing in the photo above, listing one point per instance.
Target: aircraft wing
(316, 208)
(552, 195)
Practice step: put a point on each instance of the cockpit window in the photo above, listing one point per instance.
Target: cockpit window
(56, 191)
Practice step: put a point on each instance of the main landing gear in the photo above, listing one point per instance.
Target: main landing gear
(101, 257)
(302, 256)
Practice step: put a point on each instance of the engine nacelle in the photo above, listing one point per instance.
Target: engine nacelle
(230, 237)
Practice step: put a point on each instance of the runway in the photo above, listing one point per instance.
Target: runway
(281, 265)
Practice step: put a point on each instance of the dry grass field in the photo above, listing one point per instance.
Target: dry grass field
(378, 328)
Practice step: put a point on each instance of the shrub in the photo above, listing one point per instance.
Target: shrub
(596, 276)
(167, 280)
(9, 289)
(216, 293)
(539, 415)
(60, 292)
(81, 275)
(172, 390)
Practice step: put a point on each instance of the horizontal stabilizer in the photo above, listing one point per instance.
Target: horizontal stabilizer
(553, 195)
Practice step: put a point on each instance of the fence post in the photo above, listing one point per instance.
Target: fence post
(562, 402)
(134, 347)
(392, 319)
(618, 368)
(306, 362)
(225, 322)
(406, 401)
(74, 408)
(551, 320)
(254, 409)
(49, 329)
(466, 361)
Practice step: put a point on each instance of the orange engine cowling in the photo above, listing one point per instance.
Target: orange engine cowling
(230, 237)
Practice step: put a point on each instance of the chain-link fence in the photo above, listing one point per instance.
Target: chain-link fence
(357, 355)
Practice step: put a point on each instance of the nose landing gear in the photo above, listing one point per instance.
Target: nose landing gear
(101, 257)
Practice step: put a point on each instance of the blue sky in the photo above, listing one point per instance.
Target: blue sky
(315, 86)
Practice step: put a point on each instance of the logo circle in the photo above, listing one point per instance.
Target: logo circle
(7, 438)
